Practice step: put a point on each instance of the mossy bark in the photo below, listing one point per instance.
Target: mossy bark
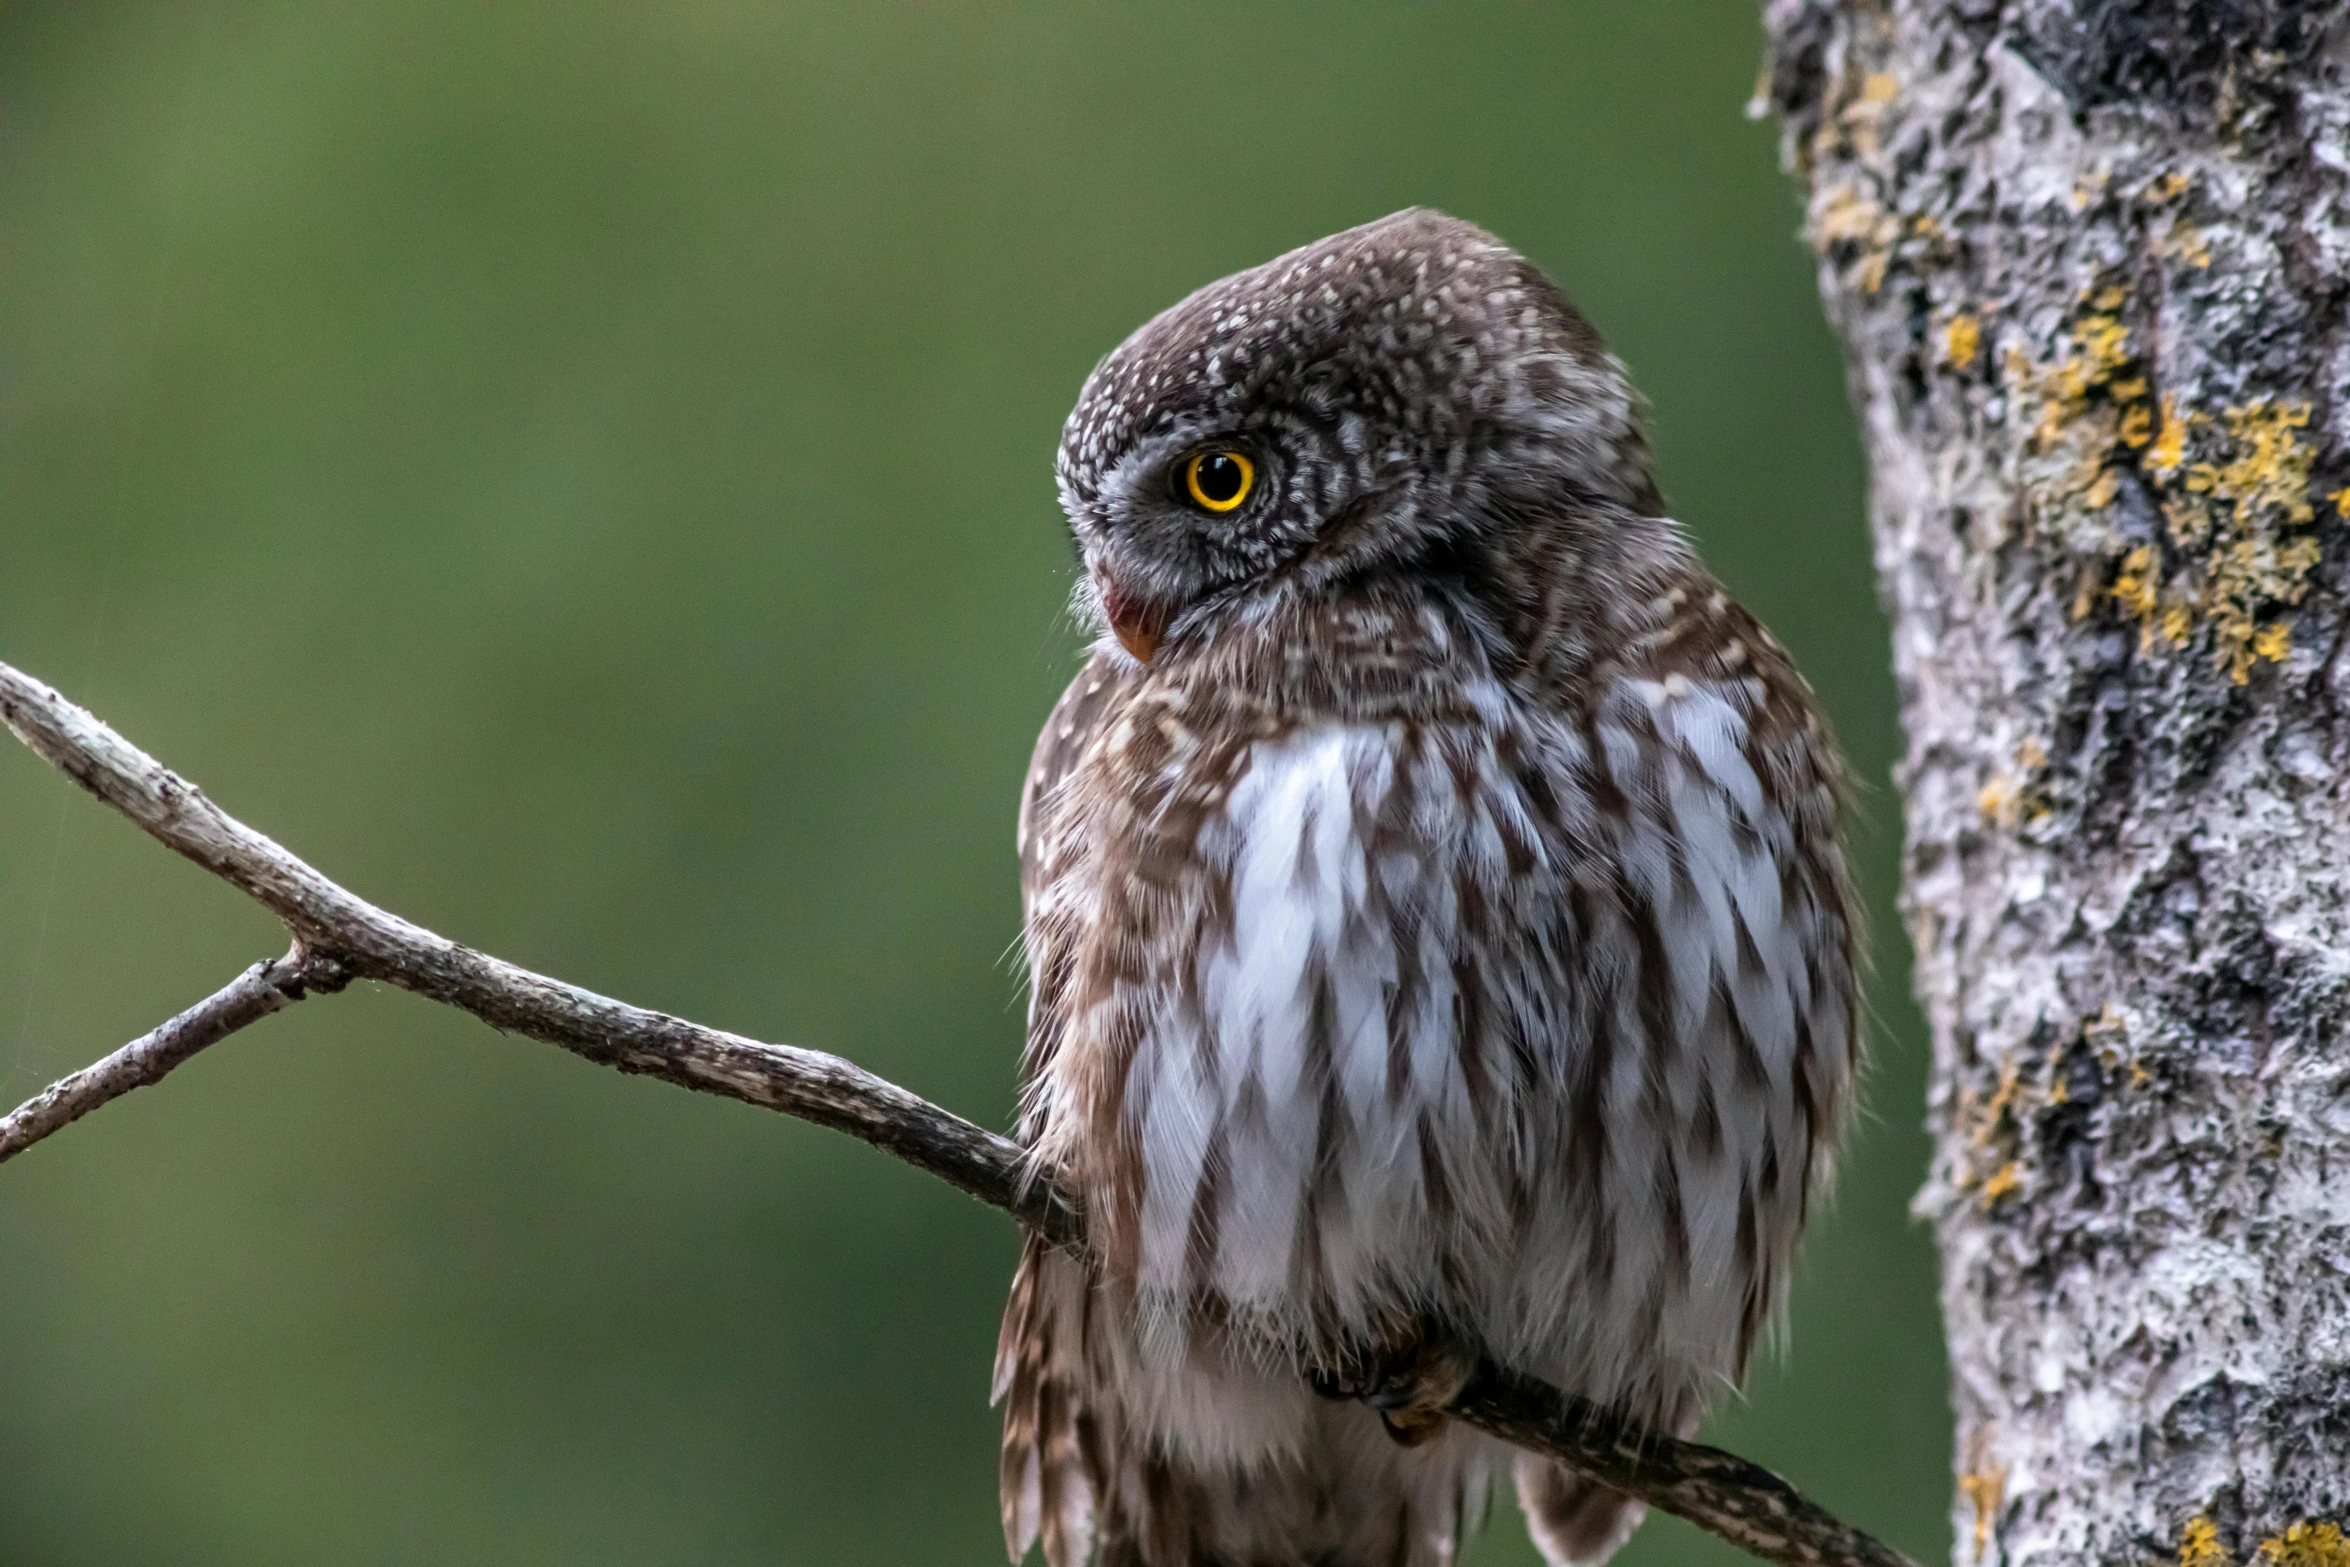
(2091, 266)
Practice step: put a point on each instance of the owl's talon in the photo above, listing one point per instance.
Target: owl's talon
(1408, 1380)
(1411, 1427)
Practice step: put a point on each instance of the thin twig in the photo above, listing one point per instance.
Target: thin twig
(371, 943)
(251, 996)
(339, 936)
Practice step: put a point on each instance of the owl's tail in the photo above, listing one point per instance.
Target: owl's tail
(1575, 1522)
(1053, 1445)
(1578, 1522)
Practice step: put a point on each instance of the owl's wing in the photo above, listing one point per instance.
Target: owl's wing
(1053, 849)
(1054, 1449)
(1100, 687)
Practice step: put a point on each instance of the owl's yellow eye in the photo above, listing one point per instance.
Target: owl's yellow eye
(1219, 480)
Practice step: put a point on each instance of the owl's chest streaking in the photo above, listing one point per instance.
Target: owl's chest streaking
(1527, 1016)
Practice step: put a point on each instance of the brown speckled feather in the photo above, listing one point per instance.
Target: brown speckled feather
(1436, 922)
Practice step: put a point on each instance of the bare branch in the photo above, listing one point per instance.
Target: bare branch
(370, 943)
(340, 936)
(251, 996)
(1720, 1492)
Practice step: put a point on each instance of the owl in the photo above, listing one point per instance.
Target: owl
(1438, 932)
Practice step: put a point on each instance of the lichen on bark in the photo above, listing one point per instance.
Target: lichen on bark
(2090, 262)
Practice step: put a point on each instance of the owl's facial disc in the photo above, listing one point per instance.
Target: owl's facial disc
(1405, 394)
(1184, 515)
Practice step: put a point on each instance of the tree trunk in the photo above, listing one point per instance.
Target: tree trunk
(2090, 262)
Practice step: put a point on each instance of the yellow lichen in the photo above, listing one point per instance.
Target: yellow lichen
(2104, 341)
(2168, 188)
(1983, 1488)
(2246, 575)
(1963, 339)
(2309, 1544)
(2082, 401)
(2137, 588)
(1990, 1125)
(2199, 1544)
(2009, 802)
(2234, 487)
(2001, 1103)
(2005, 804)
(2233, 508)
(1849, 216)
(2270, 471)
(2089, 591)
(2184, 242)
(2189, 519)
(2259, 488)
(1863, 117)
(2102, 347)
(2170, 446)
(2341, 500)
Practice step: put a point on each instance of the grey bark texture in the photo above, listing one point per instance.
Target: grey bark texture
(2090, 262)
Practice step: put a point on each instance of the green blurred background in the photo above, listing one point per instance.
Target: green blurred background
(582, 474)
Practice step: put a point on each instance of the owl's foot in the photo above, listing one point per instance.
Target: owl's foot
(1408, 1379)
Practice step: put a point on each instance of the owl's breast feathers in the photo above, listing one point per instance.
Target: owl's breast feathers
(1443, 993)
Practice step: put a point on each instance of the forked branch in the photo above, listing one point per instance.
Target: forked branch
(339, 937)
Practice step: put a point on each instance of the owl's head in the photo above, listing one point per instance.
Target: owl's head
(1401, 397)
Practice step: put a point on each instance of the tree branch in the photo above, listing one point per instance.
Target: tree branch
(251, 996)
(339, 937)
(371, 943)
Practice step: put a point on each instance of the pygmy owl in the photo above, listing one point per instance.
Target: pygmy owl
(1438, 931)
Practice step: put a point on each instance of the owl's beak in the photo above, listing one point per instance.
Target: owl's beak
(1138, 623)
